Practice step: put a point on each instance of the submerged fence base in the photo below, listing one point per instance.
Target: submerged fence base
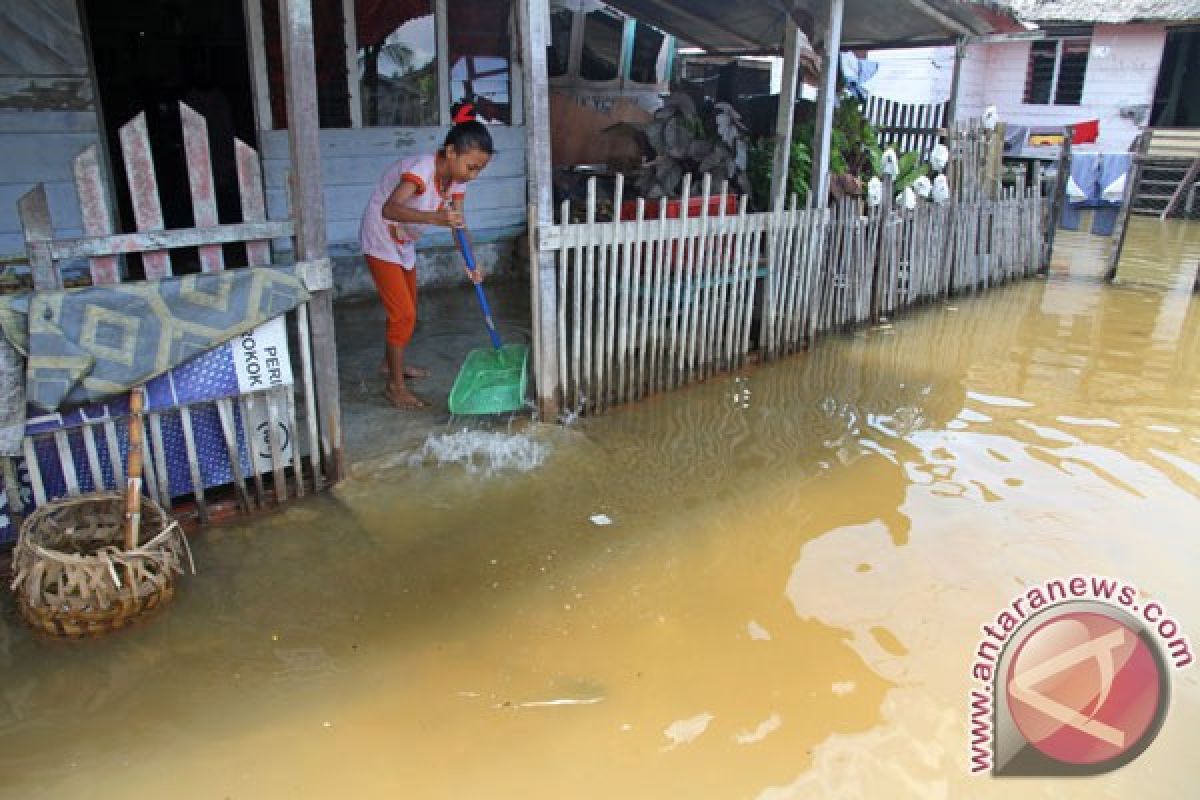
(676, 292)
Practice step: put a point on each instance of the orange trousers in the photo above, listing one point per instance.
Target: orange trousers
(398, 290)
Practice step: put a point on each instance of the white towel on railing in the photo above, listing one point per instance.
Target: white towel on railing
(1074, 192)
(1115, 191)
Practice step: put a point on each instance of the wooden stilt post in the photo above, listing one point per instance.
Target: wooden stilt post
(827, 103)
(793, 39)
(1141, 146)
(960, 52)
(1060, 194)
(532, 22)
(309, 212)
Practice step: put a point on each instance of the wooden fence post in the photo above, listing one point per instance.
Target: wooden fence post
(309, 212)
(532, 21)
(826, 104)
(34, 211)
(994, 166)
(878, 257)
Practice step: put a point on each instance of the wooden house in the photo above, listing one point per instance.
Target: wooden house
(330, 92)
(1123, 66)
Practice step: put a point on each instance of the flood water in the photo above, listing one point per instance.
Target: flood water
(770, 585)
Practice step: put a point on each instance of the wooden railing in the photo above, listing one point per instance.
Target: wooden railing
(266, 435)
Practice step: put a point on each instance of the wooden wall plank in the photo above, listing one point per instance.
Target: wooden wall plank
(48, 121)
(364, 169)
(42, 157)
(389, 141)
(348, 202)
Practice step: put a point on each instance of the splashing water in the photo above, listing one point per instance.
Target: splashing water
(482, 451)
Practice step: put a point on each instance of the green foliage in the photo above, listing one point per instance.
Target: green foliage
(854, 152)
(799, 170)
(758, 169)
(910, 168)
(762, 157)
(687, 139)
(855, 142)
(855, 157)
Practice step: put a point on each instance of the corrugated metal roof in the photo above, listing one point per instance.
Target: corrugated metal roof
(1106, 11)
(743, 25)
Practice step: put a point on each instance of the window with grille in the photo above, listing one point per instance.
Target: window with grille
(603, 37)
(647, 62)
(1056, 71)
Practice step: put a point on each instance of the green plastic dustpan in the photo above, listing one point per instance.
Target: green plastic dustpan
(491, 381)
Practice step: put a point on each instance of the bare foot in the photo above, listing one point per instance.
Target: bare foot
(410, 373)
(401, 397)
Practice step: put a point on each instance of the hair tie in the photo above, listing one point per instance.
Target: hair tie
(465, 113)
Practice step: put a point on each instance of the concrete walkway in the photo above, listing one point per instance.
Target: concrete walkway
(449, 325)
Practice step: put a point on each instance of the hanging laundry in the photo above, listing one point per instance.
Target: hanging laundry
(1086, 132)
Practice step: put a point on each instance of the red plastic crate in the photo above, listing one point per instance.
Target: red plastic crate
(695, 207)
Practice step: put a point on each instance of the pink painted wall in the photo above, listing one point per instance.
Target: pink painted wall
(913, 75)
(1122, 71)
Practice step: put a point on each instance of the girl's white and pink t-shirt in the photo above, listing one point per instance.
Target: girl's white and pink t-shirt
(396, 241)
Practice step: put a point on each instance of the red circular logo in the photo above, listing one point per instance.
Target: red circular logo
(1084, 688)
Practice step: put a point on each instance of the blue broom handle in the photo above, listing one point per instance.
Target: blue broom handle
(465, 248)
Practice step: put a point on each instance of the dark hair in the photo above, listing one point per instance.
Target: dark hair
(468, 136)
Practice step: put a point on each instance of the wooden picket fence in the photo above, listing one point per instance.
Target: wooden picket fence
(664, 298)
(651, 303)
(907, 126)
(289, 411)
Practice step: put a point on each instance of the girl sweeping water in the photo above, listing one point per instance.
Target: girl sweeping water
(415, 193)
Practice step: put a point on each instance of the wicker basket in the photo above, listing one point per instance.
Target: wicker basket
(74, 575)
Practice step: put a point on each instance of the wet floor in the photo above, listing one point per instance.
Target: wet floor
(770, 585)
(449, 326)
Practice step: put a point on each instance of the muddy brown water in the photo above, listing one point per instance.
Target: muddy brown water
(784, 603)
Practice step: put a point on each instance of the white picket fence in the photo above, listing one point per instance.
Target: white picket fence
(664, 298)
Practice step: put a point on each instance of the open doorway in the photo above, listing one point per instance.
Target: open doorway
(1177, 96)
(149, 56)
